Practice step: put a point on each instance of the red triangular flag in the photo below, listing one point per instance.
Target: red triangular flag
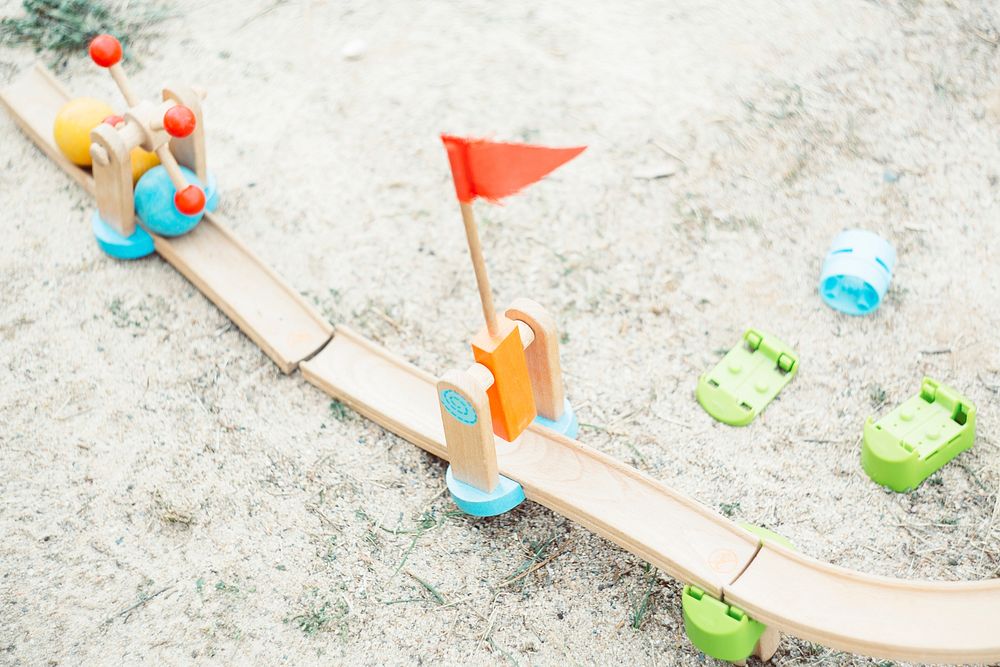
(493, 170)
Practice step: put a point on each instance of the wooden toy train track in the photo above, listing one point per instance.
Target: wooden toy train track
(877, 616)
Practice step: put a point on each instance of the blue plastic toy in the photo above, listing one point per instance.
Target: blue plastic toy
(567, 424)
(857, 272)
(110, 241)
(154, 202)
(471, 500)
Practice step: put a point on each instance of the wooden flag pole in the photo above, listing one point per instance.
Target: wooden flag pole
(479, 265)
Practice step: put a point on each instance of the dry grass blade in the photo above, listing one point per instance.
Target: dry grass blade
(65, 27)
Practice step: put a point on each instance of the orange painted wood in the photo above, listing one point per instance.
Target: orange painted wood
(512, 402)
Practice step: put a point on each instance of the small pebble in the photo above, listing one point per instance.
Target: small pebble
(354, 49)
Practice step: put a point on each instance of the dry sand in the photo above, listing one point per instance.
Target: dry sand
(168, 497)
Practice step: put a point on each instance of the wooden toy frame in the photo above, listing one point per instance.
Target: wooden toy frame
(112, 162)
(471, 442)
(249, 292)
(878, 616)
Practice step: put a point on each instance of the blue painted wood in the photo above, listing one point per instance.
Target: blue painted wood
(140, 244)
(154, 202)
(567, 424)
(471, 500)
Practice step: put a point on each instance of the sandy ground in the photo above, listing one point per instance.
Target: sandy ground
(169, 497)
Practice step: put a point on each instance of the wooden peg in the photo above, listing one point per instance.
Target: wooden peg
(173, 169)
(144, 124)
(118, 74)
(542, 357)
(468, 426)
(106, 51)
(189, 150)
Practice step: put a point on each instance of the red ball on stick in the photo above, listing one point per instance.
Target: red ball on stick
(190, 200)
(179, 121)
(105, 50)
(113, 120)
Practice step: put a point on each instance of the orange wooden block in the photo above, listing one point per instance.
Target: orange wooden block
(511, 401)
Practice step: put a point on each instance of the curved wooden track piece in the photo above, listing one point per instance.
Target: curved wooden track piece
(878, 616)
(888, 618)
(669, 530)
(922, 621)
(248, 291)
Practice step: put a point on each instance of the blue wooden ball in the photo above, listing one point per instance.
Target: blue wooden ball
(154, 202)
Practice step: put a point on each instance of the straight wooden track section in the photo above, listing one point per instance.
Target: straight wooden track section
(888, 618)
(248, 291)
(920, 621)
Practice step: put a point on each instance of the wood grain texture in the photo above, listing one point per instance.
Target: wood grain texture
(468, 434)
(115, 197)
(381, 386)
(768, 644)
(479, 266)
(241, 285)
(922, 621)
(117, 73)
(542, 356)
(887, 618)
(261, 303)
(33, 101)
(674, 533)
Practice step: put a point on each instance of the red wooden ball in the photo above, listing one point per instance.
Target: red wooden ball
(190, 200)
(105, 50)
(179, 121)
(113, 120)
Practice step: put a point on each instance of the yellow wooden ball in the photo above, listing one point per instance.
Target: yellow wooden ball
(142, 161)
(73, 125)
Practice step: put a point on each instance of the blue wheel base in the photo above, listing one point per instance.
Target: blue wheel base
(567, 424)
(140, 244)
(857, 271)
(471, 500)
